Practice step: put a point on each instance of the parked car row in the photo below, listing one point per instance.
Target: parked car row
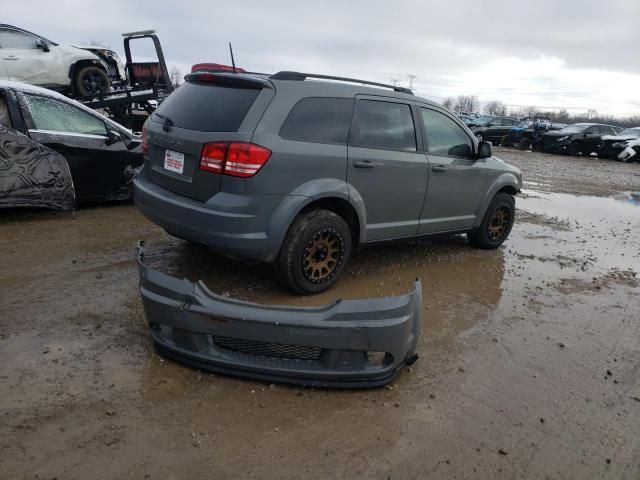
(540, 133)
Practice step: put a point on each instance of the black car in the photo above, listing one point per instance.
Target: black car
(494, 129)
(612, 145)
(585, 138)
(32, 175)
(102, 155)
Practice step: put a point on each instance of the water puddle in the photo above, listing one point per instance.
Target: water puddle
(588, 233)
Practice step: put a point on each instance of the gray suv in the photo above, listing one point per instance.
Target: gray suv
(297, 169)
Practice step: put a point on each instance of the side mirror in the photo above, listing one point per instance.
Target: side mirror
(113, 137)
(484, 150)
(42, 45)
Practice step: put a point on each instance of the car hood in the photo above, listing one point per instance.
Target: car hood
(620, 138)
(557, 133)
(76, 53)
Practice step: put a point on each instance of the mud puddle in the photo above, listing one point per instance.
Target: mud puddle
(583, 236)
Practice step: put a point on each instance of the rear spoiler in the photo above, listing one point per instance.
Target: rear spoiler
(229, 79)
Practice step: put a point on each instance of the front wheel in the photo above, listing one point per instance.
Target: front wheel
(91, 81)
(496, 224)
(574, 149)
(524, 144)
(315, 252)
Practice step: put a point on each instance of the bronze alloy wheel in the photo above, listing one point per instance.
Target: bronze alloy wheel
(322, 255)
(499, 223)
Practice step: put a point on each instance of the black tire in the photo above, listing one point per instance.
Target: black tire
(91, 80)
(573, 149)
(524, 144)
(496, 224)
(536, 145)
(504, 141)
(306, 264)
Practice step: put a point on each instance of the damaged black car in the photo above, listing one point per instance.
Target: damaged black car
(613, 145)
(102, 156)
(576, 139)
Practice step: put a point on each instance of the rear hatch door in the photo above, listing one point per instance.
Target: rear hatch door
(207, 108)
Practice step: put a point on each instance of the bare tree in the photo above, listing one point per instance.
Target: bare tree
(175, 76)
(466, 103)
(449, 103)
(531, 111)
(495, 108)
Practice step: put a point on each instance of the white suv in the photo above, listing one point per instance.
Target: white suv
(30, 58)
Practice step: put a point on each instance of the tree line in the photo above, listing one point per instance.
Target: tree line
(496, 108)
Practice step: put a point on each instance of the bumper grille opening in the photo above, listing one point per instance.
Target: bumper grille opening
(268, 349)
(379, 358)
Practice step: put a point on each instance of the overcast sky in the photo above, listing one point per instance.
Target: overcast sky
(576, 54)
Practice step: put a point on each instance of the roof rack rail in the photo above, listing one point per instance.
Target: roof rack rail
(285, 75)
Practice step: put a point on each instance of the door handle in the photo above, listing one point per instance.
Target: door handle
(11, 57)
(439, 168)
(364, 164)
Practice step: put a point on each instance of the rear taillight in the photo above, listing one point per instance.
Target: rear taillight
(238, 159)
(145, 142)
(214, 156)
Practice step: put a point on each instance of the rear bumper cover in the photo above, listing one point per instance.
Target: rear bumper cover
(228, 223)
(348, 344)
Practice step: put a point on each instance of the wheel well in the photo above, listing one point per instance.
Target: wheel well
(510, 189)
(81, 64)
(339, 207)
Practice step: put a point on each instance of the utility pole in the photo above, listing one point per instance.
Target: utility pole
(411, 77)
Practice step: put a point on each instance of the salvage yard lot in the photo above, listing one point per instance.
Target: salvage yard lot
(528, 366)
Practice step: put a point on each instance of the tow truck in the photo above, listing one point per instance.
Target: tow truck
(147, 84)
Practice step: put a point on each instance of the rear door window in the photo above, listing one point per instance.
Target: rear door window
(380, 124)
(207, 107)
(444, 136)
(319, 120)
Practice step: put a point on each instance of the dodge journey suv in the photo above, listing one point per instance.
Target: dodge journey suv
(297, 169)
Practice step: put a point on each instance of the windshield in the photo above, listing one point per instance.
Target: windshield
(630, 132)
(574, 128)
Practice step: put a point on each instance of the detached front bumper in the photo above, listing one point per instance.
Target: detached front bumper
(348, 344)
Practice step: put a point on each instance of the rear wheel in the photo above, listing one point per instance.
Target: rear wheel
(315, 252)
(524, 144)
(505, 142)
(90, 81)
(496, 224)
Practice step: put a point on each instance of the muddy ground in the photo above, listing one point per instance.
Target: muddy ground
(529, 359)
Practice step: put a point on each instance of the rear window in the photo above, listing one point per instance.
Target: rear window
(319, 120)
(207, 108)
